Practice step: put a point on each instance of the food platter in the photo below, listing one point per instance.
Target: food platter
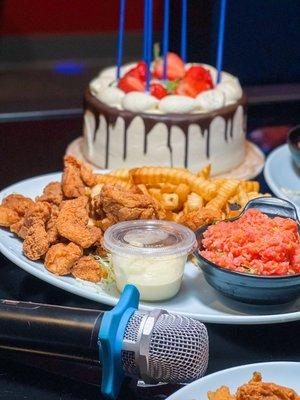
(196, 298)
(282, 175)
(281, 373)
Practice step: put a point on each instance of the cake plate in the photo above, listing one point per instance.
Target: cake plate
(249, 169)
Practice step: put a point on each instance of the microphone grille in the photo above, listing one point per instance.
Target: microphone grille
(178, 350)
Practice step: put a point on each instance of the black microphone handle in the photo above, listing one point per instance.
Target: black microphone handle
(52, 330)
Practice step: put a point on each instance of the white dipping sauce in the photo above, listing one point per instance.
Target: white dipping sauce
(150, 255)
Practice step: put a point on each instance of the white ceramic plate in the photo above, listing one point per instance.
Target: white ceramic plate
(282, 373)
(196, 298)
(282, 175)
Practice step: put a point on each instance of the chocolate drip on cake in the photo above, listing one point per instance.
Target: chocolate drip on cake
(182, 121)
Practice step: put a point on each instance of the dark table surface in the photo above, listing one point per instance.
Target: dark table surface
(36, 146)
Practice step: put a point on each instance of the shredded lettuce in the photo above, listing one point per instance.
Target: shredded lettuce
(106, 263)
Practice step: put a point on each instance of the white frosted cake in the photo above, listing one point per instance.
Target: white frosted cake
(186, 122)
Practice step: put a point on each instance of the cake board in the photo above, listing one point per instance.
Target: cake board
(249, 169)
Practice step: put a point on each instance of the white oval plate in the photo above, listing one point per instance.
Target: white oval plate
(282, 175)
(282, 373)
(196, 298)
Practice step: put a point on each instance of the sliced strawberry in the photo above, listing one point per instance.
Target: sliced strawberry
(175, 67)
(139, 71)
(198, 73)
(131, 84)
(190, 87)
(157, 90)
(142, 68)
(186, 88)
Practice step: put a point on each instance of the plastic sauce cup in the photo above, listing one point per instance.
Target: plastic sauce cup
(150, 254)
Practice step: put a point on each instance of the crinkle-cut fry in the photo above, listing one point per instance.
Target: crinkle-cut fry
(242, 197)
(205, 172)
(194, 202)
(122, 173)
(250, 186)
(154, 175)
(170, 201)
(183, 190)
(108, 179)
(219, 181)
(155, 193)
(143, 189)
(227, 190)
(167, 187)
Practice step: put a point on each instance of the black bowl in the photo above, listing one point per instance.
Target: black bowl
(247, 288)
(294, 144)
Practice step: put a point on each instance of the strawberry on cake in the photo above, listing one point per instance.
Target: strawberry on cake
(186, 120)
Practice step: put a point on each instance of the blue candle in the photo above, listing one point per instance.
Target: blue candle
(120, 37)
(183, 29)
(145, 36)
(166, 36)
(221, 39)
(149, 42)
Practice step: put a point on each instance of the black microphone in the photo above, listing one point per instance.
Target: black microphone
(152, 346)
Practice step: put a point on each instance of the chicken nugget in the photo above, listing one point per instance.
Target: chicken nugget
(18, 203)
(60, 258)
(8, 216)
(36, 242)
(52, 193)
(72, 223)
(88, 269)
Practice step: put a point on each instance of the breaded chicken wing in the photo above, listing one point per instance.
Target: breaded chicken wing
(72, 223)
(122, 205)
(8, 216)
(52, 193)
(36, 242)
(76, 176)
(61, 257)
(204, 216)
(88, 269)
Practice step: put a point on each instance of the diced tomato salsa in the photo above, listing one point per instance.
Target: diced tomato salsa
(255, 244)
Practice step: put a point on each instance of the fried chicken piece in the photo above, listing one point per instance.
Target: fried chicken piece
(52, 193)
(17, 226)
(36, 242)
(258, 390)
(8, 216)
(204, 216)
(122, 205)
(38, 212)
(88, 269)
(51, 228)
(222, 393)
(72, 223)
(60, 258)
(76, 176)
(18, 203)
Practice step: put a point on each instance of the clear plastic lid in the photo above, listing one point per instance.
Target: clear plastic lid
(150, 238)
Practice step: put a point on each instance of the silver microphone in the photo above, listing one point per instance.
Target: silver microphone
(163, 347)
(155, 346)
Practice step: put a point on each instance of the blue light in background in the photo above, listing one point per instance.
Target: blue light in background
(68, 67)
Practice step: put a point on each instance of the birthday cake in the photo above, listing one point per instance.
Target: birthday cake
(188, 121)
(165, 112)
